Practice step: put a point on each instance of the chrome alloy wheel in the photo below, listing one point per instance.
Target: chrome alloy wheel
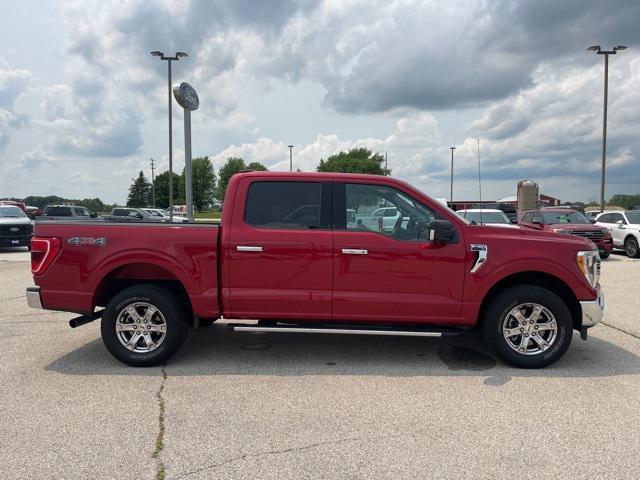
(141, 327)
(530, 329)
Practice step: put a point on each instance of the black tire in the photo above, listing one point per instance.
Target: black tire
(498, 312)
(205, 322)
(604, 255)
(631, 247)
(169, 307)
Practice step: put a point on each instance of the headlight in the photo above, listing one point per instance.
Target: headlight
(564, 231)
(589, 265)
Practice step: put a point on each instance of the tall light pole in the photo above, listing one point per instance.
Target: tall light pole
(176, 57)
(606, 53)
(451, 194)
(291, 158)
(153, 183)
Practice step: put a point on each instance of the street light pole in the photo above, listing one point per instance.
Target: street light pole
(153, 183)
(451, 194)
(176, 57)
(291, 158)
(606, 53)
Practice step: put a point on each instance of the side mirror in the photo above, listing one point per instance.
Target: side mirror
(620, 222)
(514, 220)
(442, 231)
(93, 215)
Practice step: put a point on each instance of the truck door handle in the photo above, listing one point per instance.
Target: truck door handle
(248, 248)
(355, 251)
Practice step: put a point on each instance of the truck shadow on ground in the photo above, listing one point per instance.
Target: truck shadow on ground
(214, 351)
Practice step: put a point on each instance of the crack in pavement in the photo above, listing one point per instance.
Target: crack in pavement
(620, 330)
(270, 452)
(160, 468)
(12, 298)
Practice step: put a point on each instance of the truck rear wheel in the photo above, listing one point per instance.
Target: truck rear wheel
(143, 325)
(528, 326)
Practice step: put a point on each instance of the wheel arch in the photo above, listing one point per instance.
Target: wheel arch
(541, 279)
(138, 273)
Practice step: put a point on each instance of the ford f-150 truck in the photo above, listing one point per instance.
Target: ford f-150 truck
(286, 257)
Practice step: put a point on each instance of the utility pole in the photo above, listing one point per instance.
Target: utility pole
(291, 158)
(451, 194)
(176, 57)
(606, 53)
(153, 183)
(385, 160)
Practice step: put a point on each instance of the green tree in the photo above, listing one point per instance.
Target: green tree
(257, 166)
(356, 160)
(139, 192)
(625, 201)
(162, 189)
(228, 170)
(204, 182)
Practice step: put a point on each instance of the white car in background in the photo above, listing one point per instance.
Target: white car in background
(383, 219)
(624, 227)
(486, 216)
(163, 214)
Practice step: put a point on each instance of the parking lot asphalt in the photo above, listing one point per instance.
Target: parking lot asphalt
(292, 406)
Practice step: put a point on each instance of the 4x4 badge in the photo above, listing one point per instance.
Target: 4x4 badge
(77, 241)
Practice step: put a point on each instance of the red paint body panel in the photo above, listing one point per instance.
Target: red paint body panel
(303, 274)
(187, 253)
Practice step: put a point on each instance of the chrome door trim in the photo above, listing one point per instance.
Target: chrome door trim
(249, 248)
(355, 251)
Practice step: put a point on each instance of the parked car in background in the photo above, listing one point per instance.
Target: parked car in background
(486, 216)
(570, 222)
(15, 227)
(382, 219)
(163, 214)
(33, 212)
(20, 205)
(134, 215)
(509, 210)
(433, 275)
(68, 213)
(624, 227)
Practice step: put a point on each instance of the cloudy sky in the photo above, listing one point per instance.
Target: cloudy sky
(83, 105)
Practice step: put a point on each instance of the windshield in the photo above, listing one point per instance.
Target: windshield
(486, 217)
(11, 212)
(633, 216)
(564, 217)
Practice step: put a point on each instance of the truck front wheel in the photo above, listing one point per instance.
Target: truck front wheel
(528, 326)
(143, 325)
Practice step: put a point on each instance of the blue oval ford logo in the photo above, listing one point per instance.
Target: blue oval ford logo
(186, 96)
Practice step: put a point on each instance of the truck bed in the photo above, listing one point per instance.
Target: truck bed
(96, 258)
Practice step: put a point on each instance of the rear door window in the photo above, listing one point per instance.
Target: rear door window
(284, 205)
(58, 211)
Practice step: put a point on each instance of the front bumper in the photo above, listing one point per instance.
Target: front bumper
(33, 297)
(15, 241)
(592, 310)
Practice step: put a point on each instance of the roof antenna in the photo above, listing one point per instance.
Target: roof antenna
(479, 181)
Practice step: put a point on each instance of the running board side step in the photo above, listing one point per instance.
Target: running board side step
(344, 330)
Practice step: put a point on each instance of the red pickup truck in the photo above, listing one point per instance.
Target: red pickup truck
(286, 256)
